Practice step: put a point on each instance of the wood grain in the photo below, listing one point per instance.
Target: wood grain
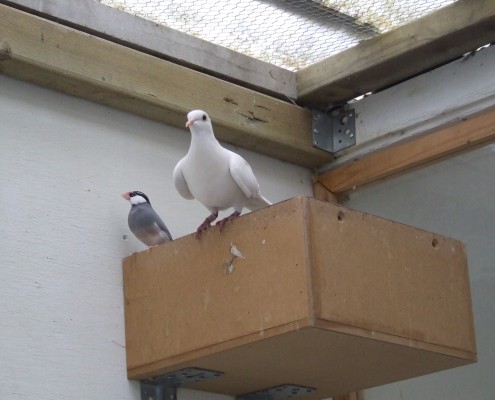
(398, 54)
(173, 45)
(65, 59)
(409, 154)
(324, 297)
(320, 192)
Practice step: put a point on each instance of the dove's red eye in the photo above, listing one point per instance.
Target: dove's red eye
(204, 117)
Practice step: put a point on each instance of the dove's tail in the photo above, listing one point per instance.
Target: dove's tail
(257, 203)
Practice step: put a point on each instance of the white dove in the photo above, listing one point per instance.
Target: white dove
(217, 177)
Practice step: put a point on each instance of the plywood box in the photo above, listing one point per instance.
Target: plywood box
(319, 296)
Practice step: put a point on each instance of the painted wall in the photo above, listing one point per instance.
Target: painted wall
(454, 198)
(63, 164)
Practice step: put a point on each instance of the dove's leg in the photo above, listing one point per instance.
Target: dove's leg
(206, 224)
(231, 217)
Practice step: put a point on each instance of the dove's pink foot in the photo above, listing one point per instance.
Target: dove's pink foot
(231, 217)
(205, 225)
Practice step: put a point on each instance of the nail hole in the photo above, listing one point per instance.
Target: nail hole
(434, 243)
(340, 215)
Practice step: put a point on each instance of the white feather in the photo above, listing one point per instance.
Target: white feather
(217, 177)
(136, 199)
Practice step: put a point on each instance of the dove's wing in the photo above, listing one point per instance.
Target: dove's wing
(243, 175)
(180, 183)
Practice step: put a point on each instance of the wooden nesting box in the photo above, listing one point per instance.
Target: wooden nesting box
(303, 292)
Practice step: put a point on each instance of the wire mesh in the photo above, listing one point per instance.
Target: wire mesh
(292, 33)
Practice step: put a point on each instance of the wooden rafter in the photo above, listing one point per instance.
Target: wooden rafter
(373, 64)
(170, 44)
(66, 59)
(409, 154)
(62, 58)
(394, 56)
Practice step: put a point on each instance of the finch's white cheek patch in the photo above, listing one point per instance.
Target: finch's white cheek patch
(137, 200)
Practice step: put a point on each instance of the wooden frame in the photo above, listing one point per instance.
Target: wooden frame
(410, 154)
(66, 59)
(371, 65)
(389, 58)
(138, 33)
(53, 55)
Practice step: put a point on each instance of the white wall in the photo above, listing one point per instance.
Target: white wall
(455, 198)
(63, 164)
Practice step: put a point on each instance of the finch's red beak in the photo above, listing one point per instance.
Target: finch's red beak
(127, 195)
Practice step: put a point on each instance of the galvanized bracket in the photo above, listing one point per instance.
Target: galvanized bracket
(277, 393)
(335, 130)
(165, 387)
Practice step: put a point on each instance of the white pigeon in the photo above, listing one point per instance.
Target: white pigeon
(217, 177)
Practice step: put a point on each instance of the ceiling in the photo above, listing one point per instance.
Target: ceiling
(291, 34)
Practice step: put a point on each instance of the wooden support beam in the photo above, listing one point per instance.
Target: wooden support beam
(413, 153)
(62, 58)
(320, 192)
(167, 43)
(399, 54)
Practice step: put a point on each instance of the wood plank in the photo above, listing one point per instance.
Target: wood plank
(413, 153)
(422, 104)
(399, 54)
(320, 192)
(291, 300)
(170, 44)
(62, 58)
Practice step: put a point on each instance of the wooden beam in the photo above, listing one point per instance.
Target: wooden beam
(167, 43)
(409, 154)
(399, 54)
(320, 192)
(62, 58)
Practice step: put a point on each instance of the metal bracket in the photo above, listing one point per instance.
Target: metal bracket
(165, 387)
(277, 393)
(335, 130)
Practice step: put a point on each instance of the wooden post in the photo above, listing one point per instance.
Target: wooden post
(320, 192)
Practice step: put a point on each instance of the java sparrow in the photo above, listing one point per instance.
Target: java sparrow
(144, 222)
(217, 177)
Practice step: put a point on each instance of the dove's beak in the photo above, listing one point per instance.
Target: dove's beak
(189, 123)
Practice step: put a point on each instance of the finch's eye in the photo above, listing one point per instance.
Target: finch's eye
(204, 117)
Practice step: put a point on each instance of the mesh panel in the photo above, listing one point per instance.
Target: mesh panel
(291, 34)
